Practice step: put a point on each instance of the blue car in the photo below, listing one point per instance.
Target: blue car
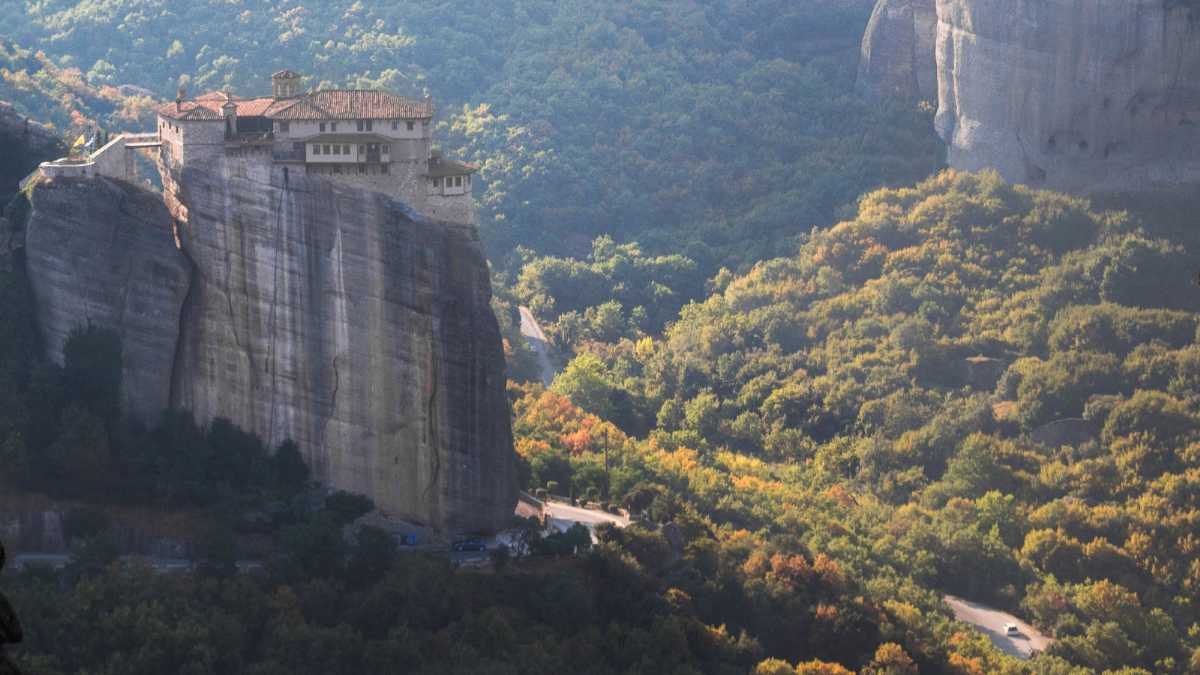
(468, 545)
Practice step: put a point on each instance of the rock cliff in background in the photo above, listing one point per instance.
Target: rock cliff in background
(100, 252)
(297, 309)
(1082, 95)
(1078, 95)
(23, 144)
(898, 51)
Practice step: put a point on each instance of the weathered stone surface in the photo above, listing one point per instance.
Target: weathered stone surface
(1078, 95)
(898, 51)
(336, 317)
(307, 310)
(101, 252)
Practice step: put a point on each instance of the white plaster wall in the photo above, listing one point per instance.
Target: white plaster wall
(422, 129)
(349, 153)
(110, 160)
(52, 170)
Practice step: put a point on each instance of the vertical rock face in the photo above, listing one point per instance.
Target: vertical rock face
(100, 251)
(898, 51)
(1080, 95)
(1077, 95)
(299, 309)
(336, 317)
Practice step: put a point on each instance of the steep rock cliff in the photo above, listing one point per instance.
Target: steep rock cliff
(898, 51)
(1078, 95)
(100, 252)
(1082, 95)
(298, 309)
(338, 318)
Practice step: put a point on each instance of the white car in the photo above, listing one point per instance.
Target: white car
(1011, 629)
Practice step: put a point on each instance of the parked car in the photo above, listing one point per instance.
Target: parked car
(1011, 629)
(468, 545)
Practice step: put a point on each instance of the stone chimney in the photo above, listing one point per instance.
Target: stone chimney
(180, 94)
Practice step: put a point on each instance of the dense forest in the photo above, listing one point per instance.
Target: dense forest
(833, 381)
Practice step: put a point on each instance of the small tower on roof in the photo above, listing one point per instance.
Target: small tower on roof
(229, 112)
(285, 84)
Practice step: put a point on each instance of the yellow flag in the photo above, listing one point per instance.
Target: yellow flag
(79, 141)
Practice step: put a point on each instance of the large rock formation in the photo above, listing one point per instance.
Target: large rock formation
(898, 51)
(338, 318)
(100, 252)
(1079, 95)
(298, 309)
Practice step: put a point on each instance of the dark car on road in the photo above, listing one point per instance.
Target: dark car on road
(468, 545)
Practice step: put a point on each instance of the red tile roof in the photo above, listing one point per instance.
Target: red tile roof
(254, 107)
(320, 105)
(342, 104)
(190, 110)
(209, 107)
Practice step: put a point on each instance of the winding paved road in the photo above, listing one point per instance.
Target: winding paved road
(561, 516)
(991, 623)
(538, 342)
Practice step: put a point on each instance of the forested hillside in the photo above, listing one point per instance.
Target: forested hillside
(970, 387)
(834, 382)
(61, 96)
(720, 130)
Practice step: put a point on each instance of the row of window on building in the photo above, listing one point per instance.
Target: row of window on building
(361, 125)
(337, 169)
(452, 181)
(340, 149)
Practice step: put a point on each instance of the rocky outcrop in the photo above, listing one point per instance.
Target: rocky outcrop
(898, 51)
(100, 252)
(298, 309)
(1079, 95)
(336, 317)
